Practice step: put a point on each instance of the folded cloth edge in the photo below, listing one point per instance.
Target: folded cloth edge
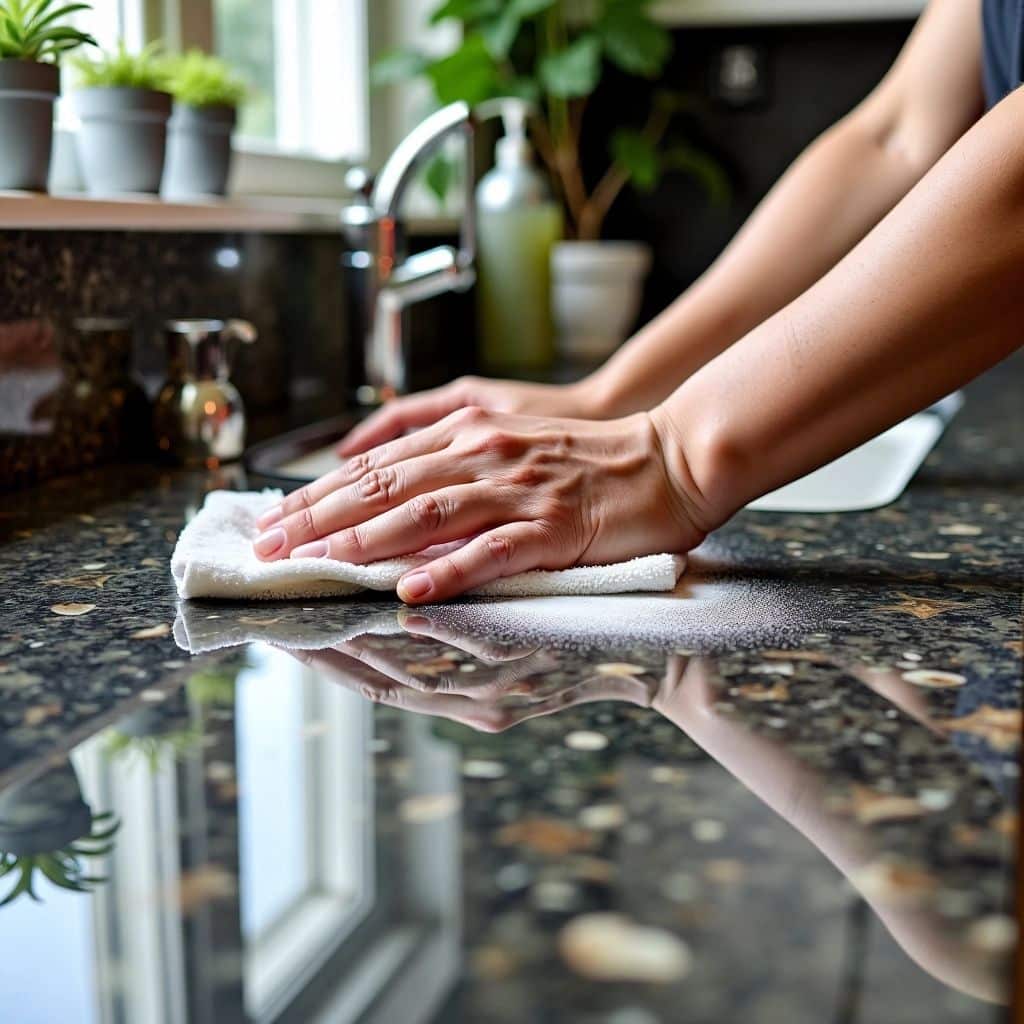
(201, 569)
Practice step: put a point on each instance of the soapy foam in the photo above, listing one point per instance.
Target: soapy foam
(700, 614)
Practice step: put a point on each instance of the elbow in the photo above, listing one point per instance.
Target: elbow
(896, 137)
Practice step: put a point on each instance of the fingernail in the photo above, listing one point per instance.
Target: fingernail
(269, 543)
(415, 621)
(271, 516)
(415, 586)
(316, 549)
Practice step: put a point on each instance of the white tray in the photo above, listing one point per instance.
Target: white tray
(873, 475)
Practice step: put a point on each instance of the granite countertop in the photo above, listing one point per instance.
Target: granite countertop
(788, 793)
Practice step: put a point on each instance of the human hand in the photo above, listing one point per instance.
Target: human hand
(427, 407)
(520, 492)
(509, 684)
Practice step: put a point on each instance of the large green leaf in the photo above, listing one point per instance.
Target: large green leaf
(468, 74)
(633, 40)
(466, 10)
(397, 66)
(574, 71)
(439, 175)
(638, 157)
(702, 167)
(501, 30)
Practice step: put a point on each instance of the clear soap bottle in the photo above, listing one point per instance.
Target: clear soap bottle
(518, 224)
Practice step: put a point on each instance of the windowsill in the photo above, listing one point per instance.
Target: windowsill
(270, 214)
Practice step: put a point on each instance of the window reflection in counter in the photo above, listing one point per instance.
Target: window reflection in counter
(305, 822)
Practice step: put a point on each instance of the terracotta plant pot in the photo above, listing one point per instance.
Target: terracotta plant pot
(122, 140)
(27, 93)
(198, 151)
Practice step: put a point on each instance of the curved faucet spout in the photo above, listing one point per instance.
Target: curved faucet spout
(398, 281)
(397, 174)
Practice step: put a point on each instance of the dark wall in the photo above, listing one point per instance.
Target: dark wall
(64, 396)
(814, 75)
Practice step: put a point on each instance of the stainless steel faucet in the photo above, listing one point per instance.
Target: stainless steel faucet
(390, 280)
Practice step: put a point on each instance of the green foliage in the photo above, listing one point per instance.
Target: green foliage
(39, 30)
(546, 52)
(147, 69)
(202, 80)
(64, 867)
(493, 57)
(573, 71)
(468, 74)
(635, 152)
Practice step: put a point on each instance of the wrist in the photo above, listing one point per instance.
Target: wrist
(597, 397)
(695, 464)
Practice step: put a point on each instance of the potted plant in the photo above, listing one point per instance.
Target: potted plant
(47, 828)
(207, 95)
(123, 104)
(34, 36)
(554, 53)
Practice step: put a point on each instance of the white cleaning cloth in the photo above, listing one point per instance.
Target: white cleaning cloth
(214, 558)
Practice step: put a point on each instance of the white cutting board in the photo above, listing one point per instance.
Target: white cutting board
(873, 475)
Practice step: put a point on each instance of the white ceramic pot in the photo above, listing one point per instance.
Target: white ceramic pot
(596, 293)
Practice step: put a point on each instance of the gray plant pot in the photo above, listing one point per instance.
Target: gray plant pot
(43, 814)
(198, 151)
(122, 140)
(27, 91)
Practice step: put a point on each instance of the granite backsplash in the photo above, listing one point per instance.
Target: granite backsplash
(71, 398)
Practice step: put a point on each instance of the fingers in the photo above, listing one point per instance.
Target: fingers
(427, 519)
(358, 502)
(399, 415)
(490, 682)
(484, 649)
(501, 552)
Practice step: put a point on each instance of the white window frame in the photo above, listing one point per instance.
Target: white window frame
(264, 168)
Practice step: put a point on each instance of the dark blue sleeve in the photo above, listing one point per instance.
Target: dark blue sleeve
(1002, 25)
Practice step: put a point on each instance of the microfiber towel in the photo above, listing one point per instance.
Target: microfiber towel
(214, 558)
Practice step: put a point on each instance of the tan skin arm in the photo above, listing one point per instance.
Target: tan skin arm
(827, 202)
(930, 298)
(834, 194)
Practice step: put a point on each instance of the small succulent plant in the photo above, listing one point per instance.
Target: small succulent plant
(201, 80)
(40, 30)
(65, 867)
(117, 68)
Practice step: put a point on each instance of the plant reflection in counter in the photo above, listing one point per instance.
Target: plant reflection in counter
(47, 828)
(63, 867)
(157, 733)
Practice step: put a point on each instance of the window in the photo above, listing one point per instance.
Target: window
(308, 64)
(306, 61)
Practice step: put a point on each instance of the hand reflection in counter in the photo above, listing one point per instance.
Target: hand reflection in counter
(508, 687)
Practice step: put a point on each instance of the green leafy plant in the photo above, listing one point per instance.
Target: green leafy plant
(554, 54)
(39, 30)
(117, 68)
(64, 867)
(201, 80)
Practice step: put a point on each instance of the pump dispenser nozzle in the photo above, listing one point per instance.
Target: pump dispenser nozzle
(514, 148)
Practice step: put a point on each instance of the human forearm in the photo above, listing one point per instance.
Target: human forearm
(831, 197)
(928, 300)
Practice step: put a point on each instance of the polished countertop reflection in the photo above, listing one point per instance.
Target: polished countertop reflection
(788, 792)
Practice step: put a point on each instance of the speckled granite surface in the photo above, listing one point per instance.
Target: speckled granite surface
(795, 793)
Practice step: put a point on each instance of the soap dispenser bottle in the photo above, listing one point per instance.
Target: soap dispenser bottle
(518, 224)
